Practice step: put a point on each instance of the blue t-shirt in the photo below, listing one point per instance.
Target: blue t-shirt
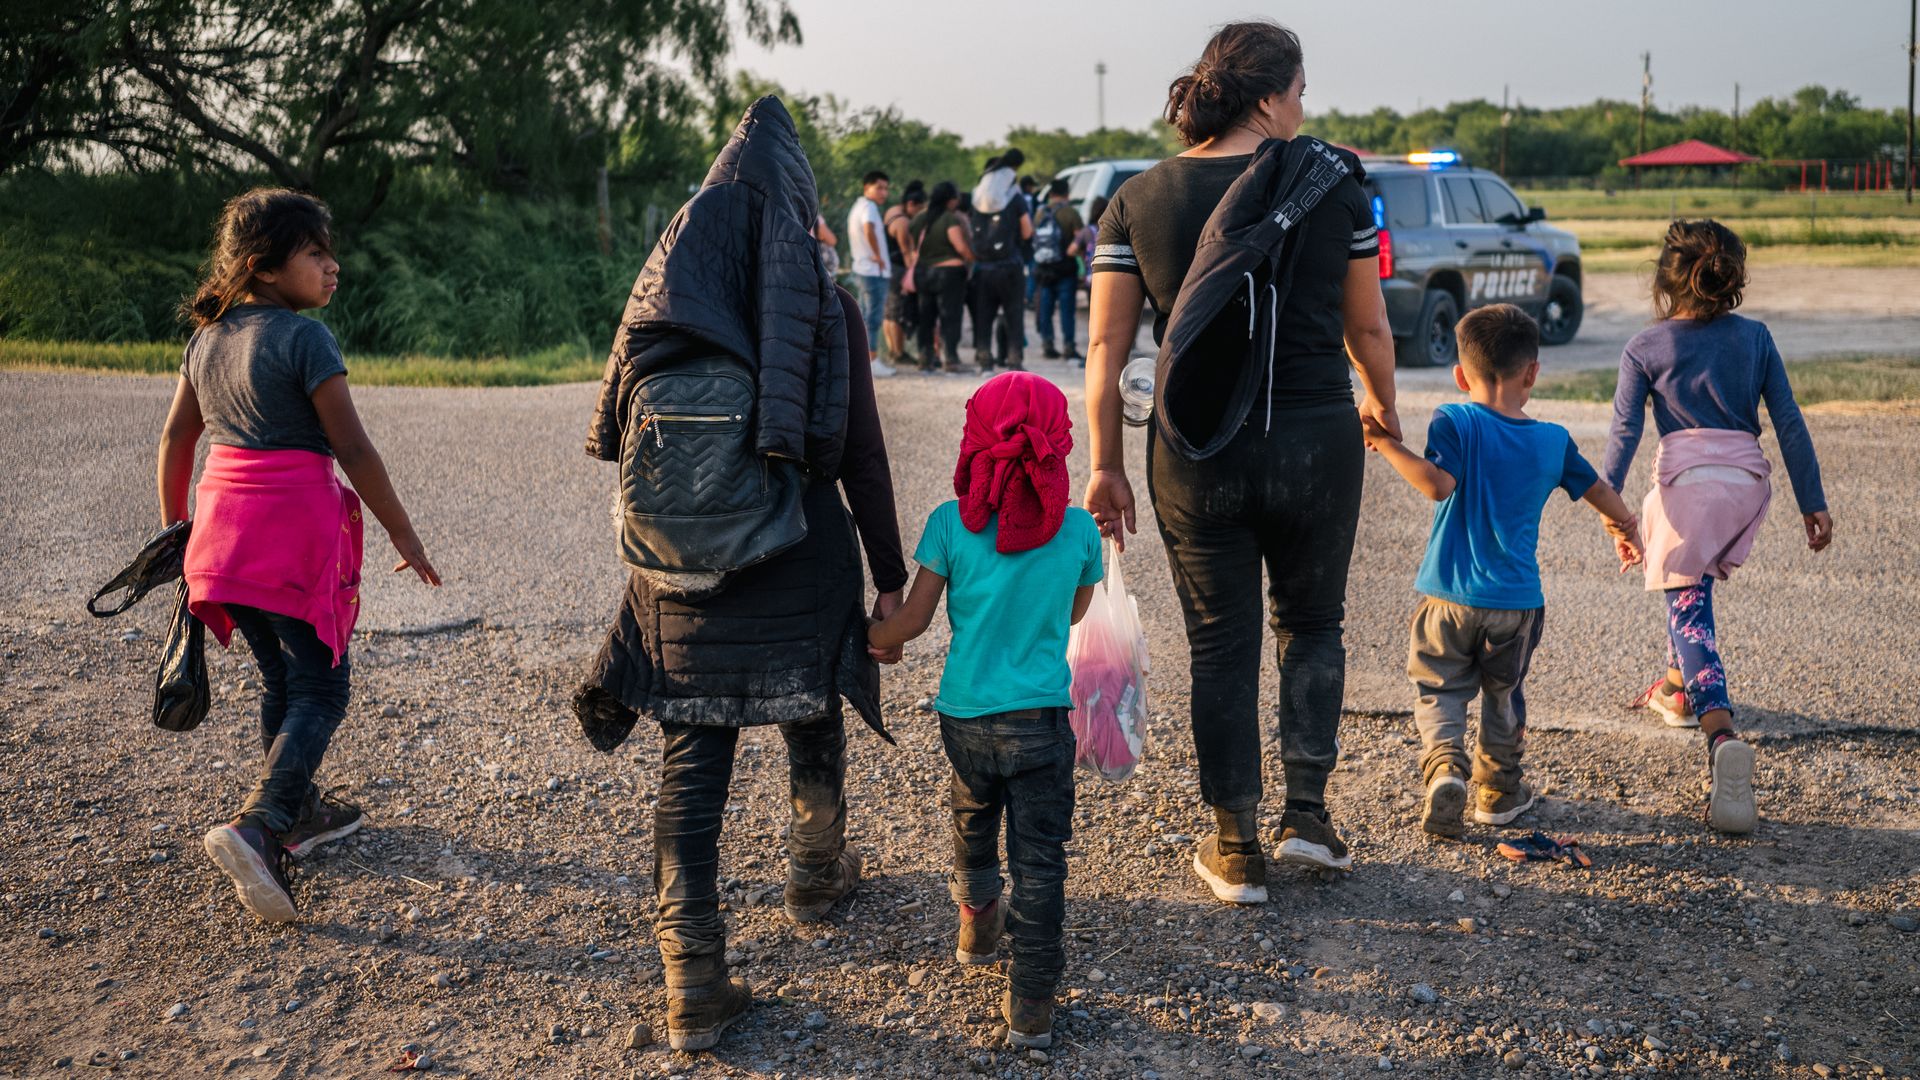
(1481, 552)
(1010, 613)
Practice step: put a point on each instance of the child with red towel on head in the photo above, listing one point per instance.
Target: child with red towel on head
(1018, 566)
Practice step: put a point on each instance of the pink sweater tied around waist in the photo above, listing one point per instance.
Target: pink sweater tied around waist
(1710, 495)
(278, 531)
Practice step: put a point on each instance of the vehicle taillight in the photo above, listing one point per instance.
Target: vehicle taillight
(1386, 254)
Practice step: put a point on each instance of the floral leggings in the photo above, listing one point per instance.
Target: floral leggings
(1691, 647)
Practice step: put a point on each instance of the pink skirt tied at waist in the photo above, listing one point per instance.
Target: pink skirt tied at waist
(278, 531)
(1703, 524)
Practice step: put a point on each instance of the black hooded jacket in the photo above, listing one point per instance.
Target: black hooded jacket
(738, 269)
(1220, 341)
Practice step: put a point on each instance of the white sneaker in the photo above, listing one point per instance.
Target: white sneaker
(1730, 806)
(882, 370)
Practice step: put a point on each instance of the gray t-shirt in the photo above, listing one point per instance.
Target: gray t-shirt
(255, 372)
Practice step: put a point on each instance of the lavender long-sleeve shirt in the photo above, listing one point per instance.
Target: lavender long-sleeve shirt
(1711, 374)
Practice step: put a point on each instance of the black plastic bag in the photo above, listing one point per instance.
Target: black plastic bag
(158, 563)
(180, 691)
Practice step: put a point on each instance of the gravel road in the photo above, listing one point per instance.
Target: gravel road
(495, 913)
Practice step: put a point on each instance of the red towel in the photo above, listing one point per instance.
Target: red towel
(1013, 460)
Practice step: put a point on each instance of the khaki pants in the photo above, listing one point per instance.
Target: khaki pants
(1459, 652)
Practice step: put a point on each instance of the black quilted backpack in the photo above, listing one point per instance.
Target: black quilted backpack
(695, 496)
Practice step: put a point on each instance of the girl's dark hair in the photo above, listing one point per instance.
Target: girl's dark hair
(258, 231)
(1701, 273)
(1245, 62)
(939, 201)
(1097, 209)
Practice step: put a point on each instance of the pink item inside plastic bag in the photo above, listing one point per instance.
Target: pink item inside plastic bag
(1108, 655)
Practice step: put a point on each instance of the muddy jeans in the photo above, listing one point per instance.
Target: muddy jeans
(696, 768)
(1460, 652)
(1019, 764)
(303, 698)
(1288, 500)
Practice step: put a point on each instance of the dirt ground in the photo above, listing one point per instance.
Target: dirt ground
(495, 912)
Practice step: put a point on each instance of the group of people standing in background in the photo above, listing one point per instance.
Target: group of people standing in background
(937, 258)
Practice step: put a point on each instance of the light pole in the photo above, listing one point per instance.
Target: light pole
(1506, 121)
(1913, 51)
(1100, 79)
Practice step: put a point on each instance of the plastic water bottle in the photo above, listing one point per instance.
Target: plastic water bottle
(1136, 390)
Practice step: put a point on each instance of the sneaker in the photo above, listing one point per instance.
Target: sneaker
(1500, 807)
(983, 361)
(1029, 1021)
(323, 819)
(1668, 704)
(980, 933)
(824, 887)
(1236, 879)
(1730, 807)
(1446, 805)
(1308, 839)
(256, 862)
(698, 1016)
(882, 369)
(1047, 350)
(1073, 354)
(1017, 361)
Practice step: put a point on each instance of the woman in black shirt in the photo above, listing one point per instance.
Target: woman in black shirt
(1285, 491)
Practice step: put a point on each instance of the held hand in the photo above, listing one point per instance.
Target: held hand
(1110, 501)
(1626, 541)
(1380, 415)
(884, 656)
(1819, 529)
(1374, 433)
(887, 603)
(413, 556)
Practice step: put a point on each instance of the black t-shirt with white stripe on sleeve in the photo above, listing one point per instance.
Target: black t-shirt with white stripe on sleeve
(1153, 225)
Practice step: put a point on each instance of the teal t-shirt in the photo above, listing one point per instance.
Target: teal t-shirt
(1010, 613)
(1481, 552)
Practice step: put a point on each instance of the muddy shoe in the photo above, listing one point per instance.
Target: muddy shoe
(980, 933)
(813, 890)
(323, 819)
(1494, 807)
(1446, 807)
(1730, 807)
(698, 1015)
(254, 859)
(1236, 879)
(1307, 839)
(1029, 1021)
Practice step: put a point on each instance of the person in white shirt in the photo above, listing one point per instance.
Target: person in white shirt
(867, 238)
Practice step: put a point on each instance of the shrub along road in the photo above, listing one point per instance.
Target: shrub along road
(495, 912)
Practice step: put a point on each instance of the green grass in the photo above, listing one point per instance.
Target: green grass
(1851, 379)
(560, 364)
(1664, 205)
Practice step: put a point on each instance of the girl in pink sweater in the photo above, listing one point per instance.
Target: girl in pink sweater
(275, 548)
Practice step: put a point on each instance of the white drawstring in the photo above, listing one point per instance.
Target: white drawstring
(1273, 329)
(1249, 276)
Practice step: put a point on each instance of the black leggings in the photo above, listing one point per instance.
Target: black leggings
(1001, 290)
(943, 293)
(1288, 499)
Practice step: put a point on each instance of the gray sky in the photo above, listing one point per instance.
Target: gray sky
(986, 65)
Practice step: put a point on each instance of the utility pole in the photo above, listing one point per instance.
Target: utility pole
(1646, 96)
(1506, 121)
(1913, 51)
(1736, 133)
(1100, 78)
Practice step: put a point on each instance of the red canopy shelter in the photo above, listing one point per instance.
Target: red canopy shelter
(1691, 152)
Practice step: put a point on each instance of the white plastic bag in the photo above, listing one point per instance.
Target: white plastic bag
(1108, 655)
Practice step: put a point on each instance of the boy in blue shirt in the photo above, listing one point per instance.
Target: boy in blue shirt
(1018, 566)
(1490, 468)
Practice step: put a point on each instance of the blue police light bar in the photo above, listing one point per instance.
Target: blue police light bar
(1434, 158)
(1379, 213)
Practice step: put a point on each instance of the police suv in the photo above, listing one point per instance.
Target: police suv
(1452, 238)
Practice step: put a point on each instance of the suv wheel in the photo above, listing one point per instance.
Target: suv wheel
(1560, 319)
(1432, 343)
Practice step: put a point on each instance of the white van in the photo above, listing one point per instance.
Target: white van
(1094, 178)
